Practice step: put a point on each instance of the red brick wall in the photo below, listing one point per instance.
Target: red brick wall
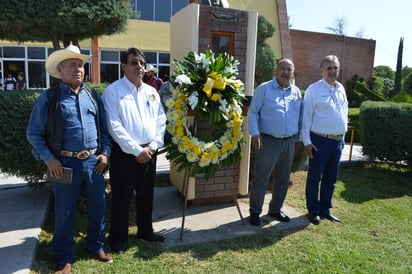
(355, 55)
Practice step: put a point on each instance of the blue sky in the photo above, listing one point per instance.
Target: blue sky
(384, 21)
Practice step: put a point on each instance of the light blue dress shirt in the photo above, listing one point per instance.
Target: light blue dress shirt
(275, 110)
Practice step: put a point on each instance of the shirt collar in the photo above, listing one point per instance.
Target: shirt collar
(276, 84)
(68, 89)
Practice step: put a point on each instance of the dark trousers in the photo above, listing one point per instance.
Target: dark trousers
(323, 169)
(127, 176)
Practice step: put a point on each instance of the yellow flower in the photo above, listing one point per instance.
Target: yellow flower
(179, 131)
(215, 97)
(207, 87)
(214, 80)
(219, 82)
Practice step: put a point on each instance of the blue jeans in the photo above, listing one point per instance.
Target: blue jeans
(323, 168)
(92, 186)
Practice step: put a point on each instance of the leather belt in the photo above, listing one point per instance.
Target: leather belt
(81, 155)
(276, 138)
(329, 136)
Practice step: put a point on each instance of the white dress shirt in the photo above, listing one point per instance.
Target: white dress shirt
(135, 116)
(325, 110)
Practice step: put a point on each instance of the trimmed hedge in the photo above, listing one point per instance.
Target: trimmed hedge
(15, 157)
(354, 122)
(386, 131)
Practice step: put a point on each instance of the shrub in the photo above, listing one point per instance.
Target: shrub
(386, 131)
(15, 157)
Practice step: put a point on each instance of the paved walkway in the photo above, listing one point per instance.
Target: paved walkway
(23, 212)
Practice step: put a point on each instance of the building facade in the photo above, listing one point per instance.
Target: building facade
(150, 33)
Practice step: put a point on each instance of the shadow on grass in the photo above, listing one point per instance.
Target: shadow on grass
(267, 236)
(368, 181)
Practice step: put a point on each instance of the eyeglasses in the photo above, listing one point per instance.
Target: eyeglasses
(137, 63)
(330, 68)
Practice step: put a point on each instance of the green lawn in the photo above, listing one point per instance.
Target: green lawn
(374, 202)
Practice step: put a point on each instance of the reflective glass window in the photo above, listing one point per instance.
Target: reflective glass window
(37, 74)
(109, 56)
(13, 52)
(164, 58)
(36, 53)
(163, 10)
(151, 57)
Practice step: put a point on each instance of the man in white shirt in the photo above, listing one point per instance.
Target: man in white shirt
(324, 124)
(137, 124)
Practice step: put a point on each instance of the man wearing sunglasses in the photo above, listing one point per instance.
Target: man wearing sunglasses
(137, 124)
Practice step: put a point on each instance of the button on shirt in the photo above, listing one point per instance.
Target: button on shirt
(275, 110)
(325, 110)
(135, 116)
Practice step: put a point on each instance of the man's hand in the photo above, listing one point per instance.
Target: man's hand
(103, 162)
(308, 150)
(145, 156)
(55, 168)
(256, 142)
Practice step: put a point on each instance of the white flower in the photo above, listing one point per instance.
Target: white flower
(223, 105)
(183, 79)
(193, 99)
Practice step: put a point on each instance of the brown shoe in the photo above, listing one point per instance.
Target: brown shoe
(64, 269)
(104, 257)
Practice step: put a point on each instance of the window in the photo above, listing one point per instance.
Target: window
(222, 42)
(163, 10)
(37, 74)
(14, 52)
(109, 56)
(164, 58)
(36, 53)
(109, 66)
(109, 73)
(156, 10)
(150, 57)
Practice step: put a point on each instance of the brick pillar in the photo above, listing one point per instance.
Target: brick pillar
(95, 60)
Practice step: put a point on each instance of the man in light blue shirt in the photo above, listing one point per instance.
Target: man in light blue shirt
(273, 123)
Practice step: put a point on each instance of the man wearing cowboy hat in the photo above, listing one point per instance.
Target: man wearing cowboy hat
(150, 77)
(67, 128)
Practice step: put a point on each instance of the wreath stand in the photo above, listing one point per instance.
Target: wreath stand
(186, 189)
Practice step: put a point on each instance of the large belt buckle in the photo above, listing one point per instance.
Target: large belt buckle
(84, 154)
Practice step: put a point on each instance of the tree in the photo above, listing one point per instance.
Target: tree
(407, 85)
(360, 33)
(406, 71)
(62, 22)
(339, 26)
(398, 73)
(265, 58)
(384, 72)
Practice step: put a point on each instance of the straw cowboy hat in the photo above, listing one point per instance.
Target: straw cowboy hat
(151, 68)
(63, 54)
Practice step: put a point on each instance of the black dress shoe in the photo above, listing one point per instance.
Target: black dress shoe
(117, 248)
(280, 216)
(64, 269)
(152, 238)
(314, 219)
(331, 217)
(254, 219)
